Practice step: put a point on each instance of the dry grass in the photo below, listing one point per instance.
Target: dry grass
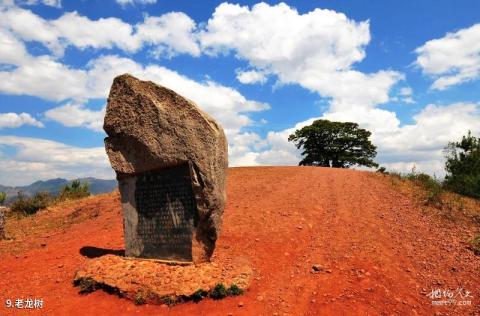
(20, 228)
(433, 199)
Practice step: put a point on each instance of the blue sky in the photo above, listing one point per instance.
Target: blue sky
(406, 70)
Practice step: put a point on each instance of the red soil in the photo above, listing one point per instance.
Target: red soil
(381, 253)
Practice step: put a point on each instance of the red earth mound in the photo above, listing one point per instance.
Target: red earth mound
(375, 249)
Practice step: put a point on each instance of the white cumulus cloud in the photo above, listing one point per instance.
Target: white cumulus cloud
(12, 50)
(171, 33)
(452, 59)
(279, 37)
(12, 120)
(251, 77)
(46, 78)
(404, 95)
(405, 92)
(168, 34)
(82, 32)
(316, 50)
(77, 115)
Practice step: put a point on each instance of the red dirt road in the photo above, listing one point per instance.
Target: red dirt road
(381, 253)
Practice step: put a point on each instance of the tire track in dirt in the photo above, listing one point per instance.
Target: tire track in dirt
(361, 256)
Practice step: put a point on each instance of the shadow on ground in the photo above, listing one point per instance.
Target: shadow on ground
(95, 252)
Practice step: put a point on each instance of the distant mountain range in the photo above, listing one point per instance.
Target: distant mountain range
(54, 186)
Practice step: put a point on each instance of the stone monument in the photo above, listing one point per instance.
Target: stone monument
(170, 159)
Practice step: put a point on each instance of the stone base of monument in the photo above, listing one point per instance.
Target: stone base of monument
(153, 282)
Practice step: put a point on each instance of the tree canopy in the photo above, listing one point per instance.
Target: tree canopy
(76, 190)
(463, 166)
(334, 144)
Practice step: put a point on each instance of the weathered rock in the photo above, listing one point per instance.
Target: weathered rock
(171, 159)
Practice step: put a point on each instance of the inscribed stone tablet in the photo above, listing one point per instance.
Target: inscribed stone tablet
(166, 211)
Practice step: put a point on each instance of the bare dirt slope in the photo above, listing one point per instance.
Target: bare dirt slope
(380, 252)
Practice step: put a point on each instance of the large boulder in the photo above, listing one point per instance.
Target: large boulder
(156, 137)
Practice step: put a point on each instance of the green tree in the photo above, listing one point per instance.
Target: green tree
(75, 190)
(463, 166)
(3, 196)
(334, 144)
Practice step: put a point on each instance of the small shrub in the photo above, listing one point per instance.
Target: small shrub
(140, 298)
(463, 166)
(434, 191)
(168, 300)
(20, 204)
(76, 190)
(234, 290)
(382, 170)
(3, 196)
(219, 292)
(199, 295)
(31, 205)
(432, 186)
(87, 285)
